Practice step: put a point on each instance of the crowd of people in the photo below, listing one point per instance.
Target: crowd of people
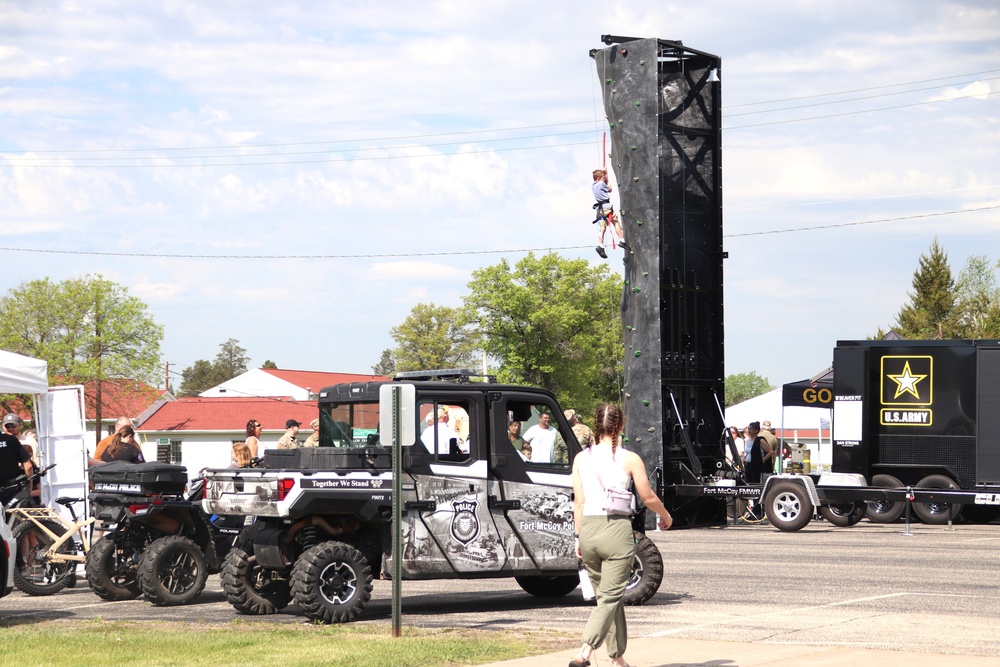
(758, 449)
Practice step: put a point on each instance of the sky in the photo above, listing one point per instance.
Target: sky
(299, 176)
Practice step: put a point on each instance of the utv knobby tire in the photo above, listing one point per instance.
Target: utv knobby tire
(936, 513)
(52, 577)
(111, 572)
(787, 506)
(172, 571)
(647, 572)
(332, 582)
(250, 588)
(549, 587)
(844, 514)
(885, 511)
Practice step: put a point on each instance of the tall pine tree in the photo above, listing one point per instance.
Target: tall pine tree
(929, 314)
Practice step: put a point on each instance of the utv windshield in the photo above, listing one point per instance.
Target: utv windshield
(349, 425)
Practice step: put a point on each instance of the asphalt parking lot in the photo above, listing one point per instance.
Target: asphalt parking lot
(869, 586)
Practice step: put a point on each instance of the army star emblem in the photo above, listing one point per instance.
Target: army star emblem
(906, 382)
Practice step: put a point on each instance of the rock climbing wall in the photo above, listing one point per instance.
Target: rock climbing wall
(663, 106)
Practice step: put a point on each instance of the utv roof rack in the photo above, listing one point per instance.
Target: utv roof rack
(450, 374)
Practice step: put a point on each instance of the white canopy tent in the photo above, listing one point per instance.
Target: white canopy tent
(789, 419)
(60, 422)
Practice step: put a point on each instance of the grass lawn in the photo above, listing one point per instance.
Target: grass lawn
(141, 643)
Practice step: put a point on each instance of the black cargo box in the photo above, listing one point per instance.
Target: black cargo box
(141, 479)
(328, 458)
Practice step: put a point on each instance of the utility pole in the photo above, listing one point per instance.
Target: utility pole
(166, 376)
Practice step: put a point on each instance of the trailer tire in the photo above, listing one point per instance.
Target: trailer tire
(647, 571)
(885, 511)
(936, 513)
(844, 514)
(788, 507)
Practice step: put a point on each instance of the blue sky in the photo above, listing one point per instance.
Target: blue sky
(298, 177)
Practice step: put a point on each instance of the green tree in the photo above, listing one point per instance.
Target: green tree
(977, 300)
(929, 314)
(231, 361)
(552, 322)
(88, 330)
(744, 386)
(269, 364)
(433, 337)
(386, 364)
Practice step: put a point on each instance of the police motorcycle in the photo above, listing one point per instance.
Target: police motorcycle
(159, 543)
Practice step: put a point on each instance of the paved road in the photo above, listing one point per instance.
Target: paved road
(869, 586)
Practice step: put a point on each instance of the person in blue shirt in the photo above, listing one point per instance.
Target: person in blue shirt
(605, 212)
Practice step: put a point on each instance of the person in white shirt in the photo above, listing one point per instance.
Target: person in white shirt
(542, 438)
(442, 431)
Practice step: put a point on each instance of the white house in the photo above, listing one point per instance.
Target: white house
(299, 385)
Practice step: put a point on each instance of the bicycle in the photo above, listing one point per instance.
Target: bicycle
(47, 553)
(21, 497)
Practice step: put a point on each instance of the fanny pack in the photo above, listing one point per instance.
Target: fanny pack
(616, 501)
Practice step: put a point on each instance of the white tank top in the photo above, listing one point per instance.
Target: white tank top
(613, 475)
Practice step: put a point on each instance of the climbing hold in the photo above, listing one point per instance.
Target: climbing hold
(607, 81)
(628, 327)
(642, 62)
(635, 179)
(635, 148)
(612, 124)
(638, 104)
(645, 402)
(626, 282)
(624, 51)
(620, 120)
(614, 90)
(639, 222)
(635, 289)
(638, 352)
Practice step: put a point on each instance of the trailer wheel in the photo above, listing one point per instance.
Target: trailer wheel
(885, 511)
(788, 507)
(844, 514)
(647, 571)
(936, 513)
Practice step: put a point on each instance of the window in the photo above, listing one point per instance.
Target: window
(534, 431)
(169, 452)
(445, 429)
(349, 425)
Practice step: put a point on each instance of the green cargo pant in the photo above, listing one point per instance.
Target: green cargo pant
(607, 546)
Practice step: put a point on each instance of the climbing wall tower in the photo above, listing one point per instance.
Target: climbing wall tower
(663, 104)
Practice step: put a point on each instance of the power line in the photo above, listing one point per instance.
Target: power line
(474, 252)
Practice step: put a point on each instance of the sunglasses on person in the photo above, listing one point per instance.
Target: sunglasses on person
(10, 427)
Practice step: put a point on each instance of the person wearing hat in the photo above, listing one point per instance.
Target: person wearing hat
(14, 458)
(288, 441)
(313, 439)
(582, 432)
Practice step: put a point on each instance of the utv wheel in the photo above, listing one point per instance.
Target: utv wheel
(172, 571)
(787, 506)
(885, 511)
(844, 514)
(549, 587)
(647, 572)
(250, 588)
(332, 582)
(37, 575)
(936, 513)
(111, 571)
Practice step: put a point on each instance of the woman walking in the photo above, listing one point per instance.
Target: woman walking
(605, 541)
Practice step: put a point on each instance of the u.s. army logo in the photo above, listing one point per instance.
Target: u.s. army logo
(907, 390)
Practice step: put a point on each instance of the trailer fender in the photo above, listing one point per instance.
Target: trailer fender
(802, 480)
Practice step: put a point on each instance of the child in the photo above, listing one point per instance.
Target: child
(605, 212)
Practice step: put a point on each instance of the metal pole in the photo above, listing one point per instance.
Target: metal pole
(397, 514)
